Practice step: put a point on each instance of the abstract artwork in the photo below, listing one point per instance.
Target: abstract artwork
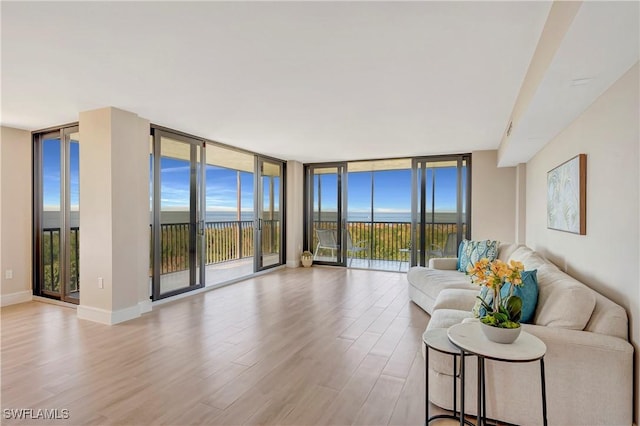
(566, 196)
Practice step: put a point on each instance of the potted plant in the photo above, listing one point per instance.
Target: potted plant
(307, 258)
(501, 317)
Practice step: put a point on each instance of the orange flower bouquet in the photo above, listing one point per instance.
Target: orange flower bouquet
(493, 275)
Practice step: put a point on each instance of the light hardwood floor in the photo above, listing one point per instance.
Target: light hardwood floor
(296, 346)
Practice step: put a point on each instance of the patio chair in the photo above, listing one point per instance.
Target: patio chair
(326, 241)
(358, 247)
(450, 248)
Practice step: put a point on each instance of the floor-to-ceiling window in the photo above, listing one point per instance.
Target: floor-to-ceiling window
(56, 159)
(177, 207)
(324, 218)
(268, 205)
(229, 220)
(441, 206)
(386, 214)
(217, 213)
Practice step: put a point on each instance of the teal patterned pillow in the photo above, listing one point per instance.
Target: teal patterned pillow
(478, 310)
(472, 251)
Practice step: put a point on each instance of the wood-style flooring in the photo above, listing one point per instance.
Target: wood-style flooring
(294, 347)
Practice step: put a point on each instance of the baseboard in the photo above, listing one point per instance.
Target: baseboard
(293, 263)
(145, 307)
(107, 317)
(56, 302)
(15, 298)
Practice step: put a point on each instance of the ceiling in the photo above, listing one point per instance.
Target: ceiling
(308, 81)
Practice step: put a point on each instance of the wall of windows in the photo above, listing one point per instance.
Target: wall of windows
(387, 214)
(217, 213)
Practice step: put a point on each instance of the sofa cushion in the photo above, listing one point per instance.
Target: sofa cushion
(506, 249)
(529, 258)
(455, 298)
(445, 318)
(608, 318)
(433, 281)
(563, 302)
(472, 251)
(528, 292)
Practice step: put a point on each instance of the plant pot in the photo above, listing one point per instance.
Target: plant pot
(500, 335)
(307, 261)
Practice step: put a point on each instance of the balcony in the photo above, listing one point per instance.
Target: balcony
(388, 243)
(229, 248)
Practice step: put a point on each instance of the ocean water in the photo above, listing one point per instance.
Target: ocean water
(403, 217)
(438, 217)
(52, 219)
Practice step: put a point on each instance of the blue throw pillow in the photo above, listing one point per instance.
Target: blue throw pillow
(472, 251)
(528, 292)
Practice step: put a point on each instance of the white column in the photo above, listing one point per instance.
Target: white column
(295, 212)
(15, 216)
(114, 216)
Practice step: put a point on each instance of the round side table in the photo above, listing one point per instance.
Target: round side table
(438, 340)
(470, 339)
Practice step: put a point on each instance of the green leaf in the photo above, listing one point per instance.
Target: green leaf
(513, 305)
(485, 304)
(500, 317)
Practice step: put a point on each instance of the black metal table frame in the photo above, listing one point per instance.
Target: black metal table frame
(455, 415)
(481, 391)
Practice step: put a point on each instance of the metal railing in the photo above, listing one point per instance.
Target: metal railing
(51, 259)
(224, 241)
(234, 240)
(389, 240)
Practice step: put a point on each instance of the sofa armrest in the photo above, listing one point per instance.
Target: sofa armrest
(563, 339)
(444, 263)
(456, 298)
(588, 373)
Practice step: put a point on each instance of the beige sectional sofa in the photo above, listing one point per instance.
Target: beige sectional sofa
(589, 360)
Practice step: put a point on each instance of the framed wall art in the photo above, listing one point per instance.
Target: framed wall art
(566, 196)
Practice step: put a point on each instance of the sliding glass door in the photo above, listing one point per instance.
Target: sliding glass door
(217, 213)
(57, 214)
(178, 225)
(269, 235)
(387, 214)
(440, 206)
(325, 218)
(230, 203)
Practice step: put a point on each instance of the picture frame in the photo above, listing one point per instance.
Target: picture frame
(567, 196)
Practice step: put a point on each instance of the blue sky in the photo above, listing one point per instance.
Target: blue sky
(392, 188)
(222, 191)
(51, 174)
(392, 191)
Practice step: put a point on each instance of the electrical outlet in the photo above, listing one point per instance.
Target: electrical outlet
(100, 282)
(8, 274)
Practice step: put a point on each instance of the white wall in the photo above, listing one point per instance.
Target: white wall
(114, 202)
(607, 258)
(15, 215)
(295, 212)
(493, 198)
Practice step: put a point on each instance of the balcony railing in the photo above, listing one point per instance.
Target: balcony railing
(386, 239)
(234, 240)
(224, 242)
(51, 259)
